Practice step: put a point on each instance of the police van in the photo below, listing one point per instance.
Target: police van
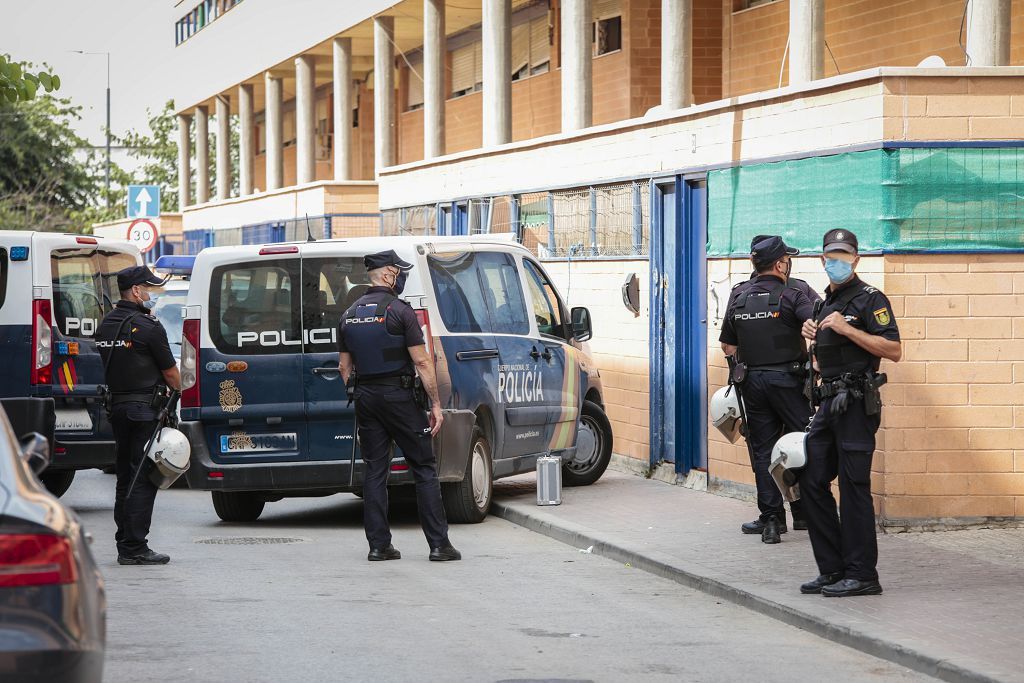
(54, 290)
(265, 407)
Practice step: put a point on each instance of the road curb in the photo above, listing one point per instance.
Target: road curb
(582, 537)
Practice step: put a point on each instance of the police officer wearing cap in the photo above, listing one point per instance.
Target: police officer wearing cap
(852, 333)
(139, 367)
(382, 350)
(762, 331)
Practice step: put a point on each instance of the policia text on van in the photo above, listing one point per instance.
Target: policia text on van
(264, 405)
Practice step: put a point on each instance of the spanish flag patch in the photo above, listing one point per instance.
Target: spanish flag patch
(882, 316)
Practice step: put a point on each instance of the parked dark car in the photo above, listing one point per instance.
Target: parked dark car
(52, 600)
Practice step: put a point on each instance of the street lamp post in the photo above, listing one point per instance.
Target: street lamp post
(107, 55)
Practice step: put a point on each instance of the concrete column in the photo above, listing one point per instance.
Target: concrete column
(305, 151)
(806, 40)
(383, 93)
(988, 33)
(275, 132)
(202, 155)
(577, 84)
(342, 108)
(223, 147)
(434, 51)
(245, 140)
(497, 61)
(676, 53)
(184, 162)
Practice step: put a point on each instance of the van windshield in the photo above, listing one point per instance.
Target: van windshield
(84, 287)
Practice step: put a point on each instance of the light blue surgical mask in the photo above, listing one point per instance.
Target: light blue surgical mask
(838, 271)
(149, 304)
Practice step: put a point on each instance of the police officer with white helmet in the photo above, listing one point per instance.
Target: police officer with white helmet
(382, 350)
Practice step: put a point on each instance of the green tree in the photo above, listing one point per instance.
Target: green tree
(19, 81)
(48, 173)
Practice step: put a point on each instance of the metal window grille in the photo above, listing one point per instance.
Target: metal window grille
(412, 220)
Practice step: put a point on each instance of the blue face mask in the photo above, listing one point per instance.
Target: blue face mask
(838, 271)
(400, 282)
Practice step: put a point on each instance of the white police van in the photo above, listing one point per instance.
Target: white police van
(265, 408)
(54, 290)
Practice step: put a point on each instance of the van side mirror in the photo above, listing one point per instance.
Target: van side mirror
(35, 451)
(581, 329)
(631, 295)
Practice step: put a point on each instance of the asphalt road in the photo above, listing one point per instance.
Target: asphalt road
(292, 598)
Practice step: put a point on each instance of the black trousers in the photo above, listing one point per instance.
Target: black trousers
(775, 405)
(387, 414)
(841, 445)
(132, 514)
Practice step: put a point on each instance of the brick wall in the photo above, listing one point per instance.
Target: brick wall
(954, 109)
(954, 446)
(860, 33)
(619, 347)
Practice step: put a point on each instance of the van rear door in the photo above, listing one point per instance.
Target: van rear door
(250, 363)
(84, 290)
(329, 286)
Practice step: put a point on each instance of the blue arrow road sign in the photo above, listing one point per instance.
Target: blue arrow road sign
(143, 201)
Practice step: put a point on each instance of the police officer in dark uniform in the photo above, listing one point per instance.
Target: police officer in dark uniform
(762, 330)
(139, 368)
(382, 350)
(853, 332)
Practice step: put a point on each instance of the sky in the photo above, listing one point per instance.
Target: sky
(139, 34)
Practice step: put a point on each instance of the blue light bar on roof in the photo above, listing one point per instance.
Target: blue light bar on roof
(175, 265)
(19, 253)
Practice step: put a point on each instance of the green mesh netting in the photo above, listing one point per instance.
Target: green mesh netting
(894, 200)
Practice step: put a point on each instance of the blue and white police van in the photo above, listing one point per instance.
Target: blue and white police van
(54, 290)
(266, 410)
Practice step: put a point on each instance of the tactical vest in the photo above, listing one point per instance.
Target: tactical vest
(128, 367)
(763, 337)
(375, 351)
(836, 353)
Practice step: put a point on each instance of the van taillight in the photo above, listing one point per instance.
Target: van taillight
(423, 316)
(190, 364)
(42, 353)
(35, 560)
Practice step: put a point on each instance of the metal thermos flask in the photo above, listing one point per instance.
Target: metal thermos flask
(549, 480)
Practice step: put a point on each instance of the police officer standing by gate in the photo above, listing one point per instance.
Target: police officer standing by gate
(382, 350)
(139, 368)
(762, 331)
(853, 332)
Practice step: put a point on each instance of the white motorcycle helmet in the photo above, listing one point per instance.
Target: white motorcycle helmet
(170, 453)
(725, 413)
(788, 457)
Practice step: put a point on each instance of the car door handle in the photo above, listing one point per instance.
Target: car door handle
(534, 353)
(325, 371)
(546, 355)
(480, 354)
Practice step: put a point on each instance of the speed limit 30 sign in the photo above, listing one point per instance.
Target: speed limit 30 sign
(143, 234)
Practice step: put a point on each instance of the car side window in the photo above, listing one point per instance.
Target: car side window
(254, 309)
(545, 302)
(330, 287)
(503, 293)
(3, 276)
(459, 294)
(84, 285)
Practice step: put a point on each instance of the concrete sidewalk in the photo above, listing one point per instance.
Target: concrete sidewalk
(953, 605)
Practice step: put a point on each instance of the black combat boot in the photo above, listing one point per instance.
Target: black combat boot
(772, 531)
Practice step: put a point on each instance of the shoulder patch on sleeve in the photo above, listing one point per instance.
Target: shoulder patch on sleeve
(869, 289)
(882, 316)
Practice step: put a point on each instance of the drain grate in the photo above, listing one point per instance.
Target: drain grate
(248, 540)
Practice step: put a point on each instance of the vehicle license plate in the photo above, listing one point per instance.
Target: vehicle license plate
(258, 443)
(73, 420)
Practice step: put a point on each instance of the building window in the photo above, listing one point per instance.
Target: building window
(531, 48)
(739, 5)
(199, 16)
(607, 26)
(414, 83)
(467, 69)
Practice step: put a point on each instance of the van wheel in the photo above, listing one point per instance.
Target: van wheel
(238, 507)
(469, 500)
(57, 482)
(593, 448)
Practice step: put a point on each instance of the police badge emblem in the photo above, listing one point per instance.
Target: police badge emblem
(882, 316)
(230, 396)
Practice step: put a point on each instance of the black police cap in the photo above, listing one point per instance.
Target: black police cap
(769, 249)
(383, 259)
(137, 275)
(839, 240)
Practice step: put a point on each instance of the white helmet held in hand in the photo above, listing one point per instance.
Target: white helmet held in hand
(788, 457)
(170, 453)
(725, 413)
